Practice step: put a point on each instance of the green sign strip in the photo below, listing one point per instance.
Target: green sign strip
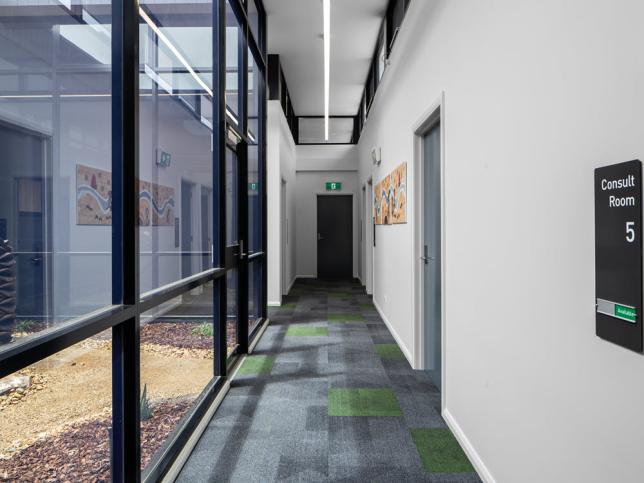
(333, 186)
(619, 311)
(626, 313)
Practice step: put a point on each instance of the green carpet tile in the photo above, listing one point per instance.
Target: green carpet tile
(389, 351)
(307, 331)
(439, 451)
(363, 402)
(327, 396)
(256, 366)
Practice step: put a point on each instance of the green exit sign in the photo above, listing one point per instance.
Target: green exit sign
(252, 186)
(333, 186)
(626, 313)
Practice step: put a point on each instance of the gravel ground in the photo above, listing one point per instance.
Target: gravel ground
(82, 452)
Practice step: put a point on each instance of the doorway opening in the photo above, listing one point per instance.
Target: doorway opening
(335, 237)
(25, 219)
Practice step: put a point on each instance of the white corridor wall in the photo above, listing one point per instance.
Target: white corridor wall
(537, 95)
(280, 168)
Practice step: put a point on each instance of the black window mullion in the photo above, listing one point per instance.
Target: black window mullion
(219, 181)
(126, 451)
(262, 89)
(242, 272)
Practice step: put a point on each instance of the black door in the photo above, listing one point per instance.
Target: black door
(335, 236)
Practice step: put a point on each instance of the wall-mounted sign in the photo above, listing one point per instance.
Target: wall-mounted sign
(163, 159)
(252, 186)
(333, 186)
(618, 253)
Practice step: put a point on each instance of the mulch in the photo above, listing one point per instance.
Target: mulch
(174, 334)
(180, 334)
(82, 453)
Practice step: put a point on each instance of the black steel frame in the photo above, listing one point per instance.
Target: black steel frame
(127, 303)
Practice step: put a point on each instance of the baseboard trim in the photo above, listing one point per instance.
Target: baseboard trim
(274, 304)
(402, 346)
(291, 285)
(472, 454)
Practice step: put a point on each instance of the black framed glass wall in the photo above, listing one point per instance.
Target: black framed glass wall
(116, 274)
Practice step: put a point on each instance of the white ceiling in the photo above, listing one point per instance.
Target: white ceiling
(295, 33)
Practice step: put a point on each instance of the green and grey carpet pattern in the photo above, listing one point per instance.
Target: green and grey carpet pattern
(328, 396)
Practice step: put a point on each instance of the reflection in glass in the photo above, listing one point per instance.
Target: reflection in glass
(254, 83)
(254, 294)
(254, 201)
(232, 314)
(253, 20)
(175, 188)
(177, 349)
(233, 35)
(56, 418)
(55, 164)
(232, 180)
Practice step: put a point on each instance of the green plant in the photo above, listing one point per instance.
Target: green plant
(146, 409)
(26, 325)
(204, 330)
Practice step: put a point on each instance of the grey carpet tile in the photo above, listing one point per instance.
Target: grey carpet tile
(276, 427)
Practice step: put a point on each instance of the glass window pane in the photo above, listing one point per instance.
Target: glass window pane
(254, 294)
(177, 349)
(232, 314)
(254, 201)
(232, 180)
(255, 80)
(233, 33)
(55, 421)
(55, 181)
(253, 21)
(311, 130)
(175, 186)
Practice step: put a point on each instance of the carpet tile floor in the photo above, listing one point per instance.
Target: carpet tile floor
(328, 396)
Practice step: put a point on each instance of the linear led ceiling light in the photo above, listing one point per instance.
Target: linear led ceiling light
(326, 13)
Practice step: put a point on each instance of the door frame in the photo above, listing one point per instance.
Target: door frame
(20, 126)
(284, 239)
(369, 237)
(353, 225)
(430, 118)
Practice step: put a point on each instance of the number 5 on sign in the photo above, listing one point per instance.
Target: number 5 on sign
(630, 231)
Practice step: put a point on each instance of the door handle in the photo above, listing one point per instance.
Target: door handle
(320, 237)
(425, 257)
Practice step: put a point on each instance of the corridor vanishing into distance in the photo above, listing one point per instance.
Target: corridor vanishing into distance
(327, 395)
